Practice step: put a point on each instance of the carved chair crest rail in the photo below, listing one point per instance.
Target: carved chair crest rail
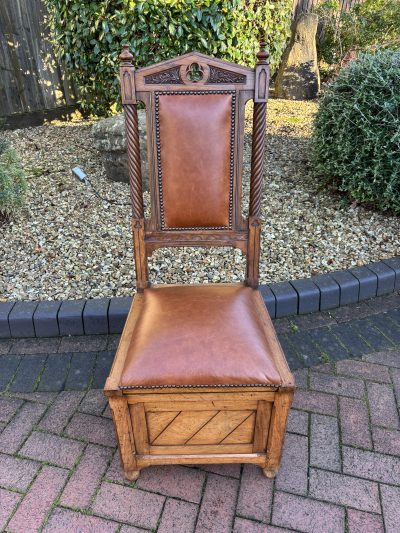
(199, 375)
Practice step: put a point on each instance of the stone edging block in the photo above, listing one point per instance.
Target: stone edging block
(107, 315)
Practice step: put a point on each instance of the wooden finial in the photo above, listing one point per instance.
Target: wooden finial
(126, 57)
(262, 54)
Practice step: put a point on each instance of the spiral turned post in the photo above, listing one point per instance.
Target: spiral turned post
(257, 166)
(134, 163)
(257, 159)
(259, 127)
(128, 94)
(127, 72)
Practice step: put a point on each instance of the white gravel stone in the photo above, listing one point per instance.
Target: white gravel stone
(67, 243)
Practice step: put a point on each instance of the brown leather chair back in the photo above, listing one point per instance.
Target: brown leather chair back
(195, 126)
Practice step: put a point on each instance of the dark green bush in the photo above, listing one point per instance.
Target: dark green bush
(356, 139)
(369, 25)
(12, 181)
(88, 36)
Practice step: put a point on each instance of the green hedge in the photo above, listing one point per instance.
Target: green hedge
(356, 140)
(88, 36)
(369, 25)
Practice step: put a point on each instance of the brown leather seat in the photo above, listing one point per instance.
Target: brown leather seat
(202, 335)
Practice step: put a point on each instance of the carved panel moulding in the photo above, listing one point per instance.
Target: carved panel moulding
(220, 75)
(170, 76)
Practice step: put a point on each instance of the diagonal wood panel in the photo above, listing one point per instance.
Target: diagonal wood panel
(219, 427)
(243, 434)
(158, 421)
(186, 424)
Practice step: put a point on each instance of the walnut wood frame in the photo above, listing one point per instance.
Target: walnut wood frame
(253, 418)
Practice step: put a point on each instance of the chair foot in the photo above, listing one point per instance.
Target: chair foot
(132, 475)
(270, 473)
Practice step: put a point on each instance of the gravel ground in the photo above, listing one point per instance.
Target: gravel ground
(67, 243)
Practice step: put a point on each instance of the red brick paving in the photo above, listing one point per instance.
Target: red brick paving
(8, 408)
(337, 385)
(178, 517)
(217, 510)
(340, 469)
(298, 422)
(383, 405)
(66, 521)
(354, 422)
(386, 441)
(37, 503)
(16, 473)
(370, 465)
(92, 429)
(8, 502)
(255, 495)
(345, 490)
(324, 442)
(174, 481)
(124, 504)
(232, 470)
(363, 370)
(293, 473)
(114, 471)
(316, 402)
(390, 358)
(60, 412)
(14, 434)
(52, 449)
(306, 514)
(86, 478)
(132, 529)
(93, 403)
(247, 526)
(360, 521)
(46, 398)
(391, 508)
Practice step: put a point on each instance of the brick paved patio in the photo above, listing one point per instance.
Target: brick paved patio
(59, 470)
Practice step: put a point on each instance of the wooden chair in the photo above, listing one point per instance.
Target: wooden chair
(199, 375)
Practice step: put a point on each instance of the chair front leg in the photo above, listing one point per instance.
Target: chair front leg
(280, 411)
(123, 429)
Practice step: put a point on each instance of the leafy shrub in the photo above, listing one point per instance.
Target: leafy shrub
(369, 25)
(88, 36)
(356, 139)
(12, 181)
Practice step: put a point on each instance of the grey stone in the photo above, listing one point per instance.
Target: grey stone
(330, 291)
(309, 295)
(117, 313)
(269, 299)
(70, 319)
(298, 75)
(386, 277)
(20, 319)
(45, 319)
(368, 281)
(110, 139)
(349, 286)
(95, 316)
(5, 309)
(286, 298)
(394, 263)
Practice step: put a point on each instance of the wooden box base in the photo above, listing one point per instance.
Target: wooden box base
(200, 427)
